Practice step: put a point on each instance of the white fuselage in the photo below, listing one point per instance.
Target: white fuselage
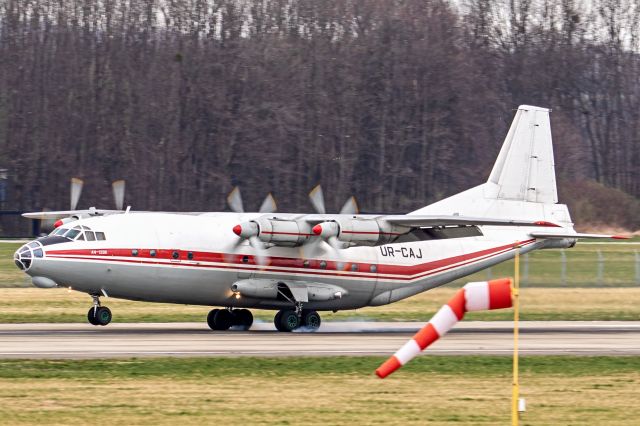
(194, 259)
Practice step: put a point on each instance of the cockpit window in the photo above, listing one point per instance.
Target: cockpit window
(59, 231)
(72, 233)
(80, 237)
(90, 236)
(100, 236)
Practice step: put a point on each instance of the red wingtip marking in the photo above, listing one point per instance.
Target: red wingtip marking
(620, 237)
(237, 230)
(58, 223)
(545, 223)
(317, 229)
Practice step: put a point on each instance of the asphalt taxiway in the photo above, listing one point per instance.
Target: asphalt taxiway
(76, 341)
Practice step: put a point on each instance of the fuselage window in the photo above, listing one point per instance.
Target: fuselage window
(306, 263)
(90, 236)
(100, 236)
(72, 234)
(354, 267)
(134, 252)
(175, 255)
(245, 259)
(373, 268)
(323, 265)
(152, 253)
(190, 255)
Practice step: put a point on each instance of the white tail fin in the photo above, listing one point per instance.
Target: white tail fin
(522, 184)
(524, 169)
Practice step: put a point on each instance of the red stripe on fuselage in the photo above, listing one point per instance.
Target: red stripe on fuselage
(286, 265)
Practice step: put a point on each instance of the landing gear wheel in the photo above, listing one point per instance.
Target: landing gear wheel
(276, 321)
(311, 319)
(210, 318)
(289, 320)
(91, 317)
(103, 315)
(242, 318)
(222, 320)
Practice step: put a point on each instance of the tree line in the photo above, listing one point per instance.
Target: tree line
(399, 102)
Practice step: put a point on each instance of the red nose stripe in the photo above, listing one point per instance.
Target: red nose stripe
(237, 230)
(317, 229)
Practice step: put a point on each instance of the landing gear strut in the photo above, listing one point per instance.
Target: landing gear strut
(98, 315)
(223, 319)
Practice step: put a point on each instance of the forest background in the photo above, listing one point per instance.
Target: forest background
(399, 102)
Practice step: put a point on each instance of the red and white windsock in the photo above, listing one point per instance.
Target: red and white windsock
(478, 296)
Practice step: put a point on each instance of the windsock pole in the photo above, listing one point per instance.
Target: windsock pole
(477, 296)
(515, 393)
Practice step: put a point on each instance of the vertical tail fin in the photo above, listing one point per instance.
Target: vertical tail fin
(524, 169)
(522, 184)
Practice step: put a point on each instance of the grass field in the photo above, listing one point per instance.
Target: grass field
(318, 391)
(60, 305)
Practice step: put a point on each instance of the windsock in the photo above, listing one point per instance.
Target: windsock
(477, 296)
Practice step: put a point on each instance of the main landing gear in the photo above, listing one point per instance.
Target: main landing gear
(291, 319)
(223, 319)
(98, 315)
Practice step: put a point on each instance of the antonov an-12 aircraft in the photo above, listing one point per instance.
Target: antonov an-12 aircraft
(299, 264)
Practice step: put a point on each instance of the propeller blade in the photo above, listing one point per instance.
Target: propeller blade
(118, 193)
(261, 257)
(350, 206)
(234, 199)
(317, 199)
(268, 205)
(76, 190)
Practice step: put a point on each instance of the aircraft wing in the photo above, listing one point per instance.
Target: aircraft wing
(426, 221)
(552, 235)
(67, 213)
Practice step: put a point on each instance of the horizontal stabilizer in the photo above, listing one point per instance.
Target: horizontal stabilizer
(552, 235)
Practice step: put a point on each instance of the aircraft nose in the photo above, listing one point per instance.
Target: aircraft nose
(24, 256)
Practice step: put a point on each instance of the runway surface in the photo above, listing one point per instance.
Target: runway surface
(71, 341)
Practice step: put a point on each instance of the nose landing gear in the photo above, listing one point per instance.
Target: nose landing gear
(98, 315)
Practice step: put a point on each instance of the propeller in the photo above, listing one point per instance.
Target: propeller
(249, 230)
(327, 231)
(118, 193)
(76, 190)
(316, 196)
(234, 200)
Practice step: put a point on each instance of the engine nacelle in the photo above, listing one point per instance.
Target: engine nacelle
(288, 233)
(361, 232)
(298, 290)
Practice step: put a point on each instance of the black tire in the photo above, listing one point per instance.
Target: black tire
(222, 320)
(276, 321)
(91, 317)
(210, 317)
(103, 315)
(311, 319)
(242, 318)
(289, 320)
